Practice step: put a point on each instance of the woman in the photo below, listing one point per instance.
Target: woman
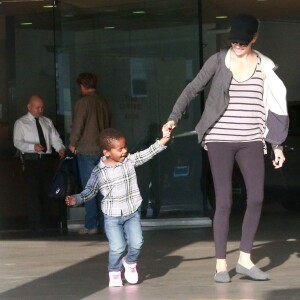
(245, 107)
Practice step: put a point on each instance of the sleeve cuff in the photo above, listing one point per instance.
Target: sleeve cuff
(160, 145)
(78, 200)
(277, 147)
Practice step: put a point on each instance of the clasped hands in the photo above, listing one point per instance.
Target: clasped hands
(39, 148)
(168, 128)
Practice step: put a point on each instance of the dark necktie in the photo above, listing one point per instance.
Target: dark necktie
(41, 134)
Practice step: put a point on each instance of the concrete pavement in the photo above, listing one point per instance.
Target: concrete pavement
(174, 264)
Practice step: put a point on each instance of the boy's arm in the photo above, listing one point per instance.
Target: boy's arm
(164, 140)
(147, 154)
(91, 189)
(142, 157)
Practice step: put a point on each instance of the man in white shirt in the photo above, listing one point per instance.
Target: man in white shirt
(34, 137)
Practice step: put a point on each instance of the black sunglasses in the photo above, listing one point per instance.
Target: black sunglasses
(241, 44)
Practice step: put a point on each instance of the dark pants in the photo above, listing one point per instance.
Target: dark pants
(250, 159)
(39, 176)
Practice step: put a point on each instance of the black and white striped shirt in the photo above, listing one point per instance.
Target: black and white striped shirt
(244, 118)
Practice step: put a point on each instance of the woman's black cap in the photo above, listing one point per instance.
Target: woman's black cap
(243, 28)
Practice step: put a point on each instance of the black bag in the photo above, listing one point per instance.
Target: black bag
(66, 179)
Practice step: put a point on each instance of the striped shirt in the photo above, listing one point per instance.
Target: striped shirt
(244, 118)
(118, 184)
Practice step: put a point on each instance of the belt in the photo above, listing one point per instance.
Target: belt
(36, 156)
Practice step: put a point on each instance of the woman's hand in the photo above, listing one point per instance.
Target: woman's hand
(279, 158)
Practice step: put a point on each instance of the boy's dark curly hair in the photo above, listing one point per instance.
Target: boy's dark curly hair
(107, 136)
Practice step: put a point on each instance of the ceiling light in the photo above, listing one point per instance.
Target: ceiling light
(8, 1)
(109, 27)
(139, 12)
(221, 17)
(49, 6)
(26, 23)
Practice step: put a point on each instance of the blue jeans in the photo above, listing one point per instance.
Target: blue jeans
(93, 214)
(121, 231)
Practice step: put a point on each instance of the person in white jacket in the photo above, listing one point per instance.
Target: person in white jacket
(245, 108)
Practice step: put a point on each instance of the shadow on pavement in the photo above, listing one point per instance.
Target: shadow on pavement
(90, 276)
(284, 294)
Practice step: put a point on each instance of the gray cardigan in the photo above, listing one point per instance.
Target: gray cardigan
(215, 69)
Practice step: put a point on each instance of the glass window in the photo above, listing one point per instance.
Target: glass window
(27, 63)
(144, 53)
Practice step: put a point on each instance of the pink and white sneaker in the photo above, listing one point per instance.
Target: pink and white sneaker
(131, 274)
(115, 279)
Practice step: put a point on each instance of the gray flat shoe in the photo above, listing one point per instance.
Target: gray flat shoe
(222, 277)
(254, 273)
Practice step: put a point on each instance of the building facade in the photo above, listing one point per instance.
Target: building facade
(144, 53)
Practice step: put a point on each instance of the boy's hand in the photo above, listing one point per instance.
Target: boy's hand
(70, 200)
(166, 133)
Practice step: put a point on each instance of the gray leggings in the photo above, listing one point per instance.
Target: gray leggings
(250, 159)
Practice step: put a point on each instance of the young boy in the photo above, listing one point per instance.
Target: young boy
(116, 179)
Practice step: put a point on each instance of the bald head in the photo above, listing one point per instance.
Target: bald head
(36, 106)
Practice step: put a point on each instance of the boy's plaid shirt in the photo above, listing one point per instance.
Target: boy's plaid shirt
(118, 184)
